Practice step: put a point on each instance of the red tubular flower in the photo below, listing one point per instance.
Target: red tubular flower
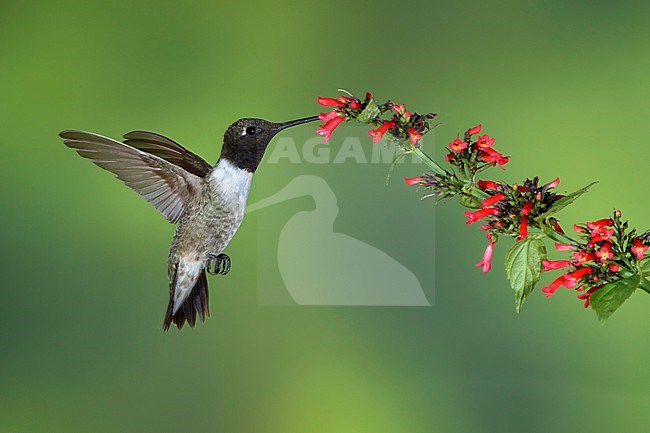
(401, 110)
(582, 256)
(525, 210)
(485, 263)
(410, 181)
(328, 127)
(523, 228)
(354, 104)
(602, 237)
(457, 145)
(553, 286)
(379, 132)
(600, 234)
(474, 130)
(599, 231)
(605, 253)
(638, 249)
(330, 102)
(555, 264)
(564, 247)
(414, 136)
(571, 278)
(484, 142)
(552, 184)
(491, 201)
(578, 228)
(556, 225)
(326, 117)
(487, 184)
(472, 217)
(494, 157)
(588, 294)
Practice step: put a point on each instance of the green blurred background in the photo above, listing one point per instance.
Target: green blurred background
(562, 85)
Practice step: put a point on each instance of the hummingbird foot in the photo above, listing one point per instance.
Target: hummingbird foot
(218, 264)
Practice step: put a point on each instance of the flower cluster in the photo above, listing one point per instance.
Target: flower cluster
(511, 209)
(473, 155)
(344, 108)
(439, 185)
(606, 252)
(402, 125)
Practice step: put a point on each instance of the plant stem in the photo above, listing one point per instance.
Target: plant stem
(441, 171)
(429, 162)
(556, 236)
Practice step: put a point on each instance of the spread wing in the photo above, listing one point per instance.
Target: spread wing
(168, 150)
(166, 186)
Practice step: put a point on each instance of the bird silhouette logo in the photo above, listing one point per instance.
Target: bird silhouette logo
(338, 269)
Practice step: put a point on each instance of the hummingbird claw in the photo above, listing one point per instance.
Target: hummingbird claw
(219, 264)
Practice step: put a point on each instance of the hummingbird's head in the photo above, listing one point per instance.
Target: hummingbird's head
(245, 140)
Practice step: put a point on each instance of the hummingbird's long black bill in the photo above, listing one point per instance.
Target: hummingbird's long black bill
(289, 124)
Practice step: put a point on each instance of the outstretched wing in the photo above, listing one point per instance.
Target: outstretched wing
(168, 150)
(166, 186)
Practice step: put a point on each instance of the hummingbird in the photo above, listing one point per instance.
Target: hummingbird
(207, 203)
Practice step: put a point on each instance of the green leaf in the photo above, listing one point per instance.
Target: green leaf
(565, 201)
(644, 285)
(524, 267)
(611, 296)
(369, 113)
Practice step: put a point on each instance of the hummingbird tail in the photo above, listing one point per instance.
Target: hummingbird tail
(196, 302)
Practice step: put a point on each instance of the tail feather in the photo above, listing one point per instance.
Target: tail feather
(196, 302)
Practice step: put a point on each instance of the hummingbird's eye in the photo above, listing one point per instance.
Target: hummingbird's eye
(250, 130)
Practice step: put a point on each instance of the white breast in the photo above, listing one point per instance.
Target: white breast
(230, 185)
